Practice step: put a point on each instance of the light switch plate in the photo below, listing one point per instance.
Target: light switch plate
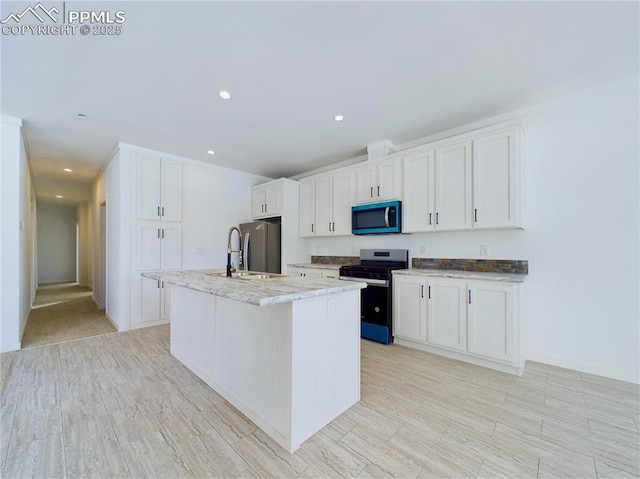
(484, 250)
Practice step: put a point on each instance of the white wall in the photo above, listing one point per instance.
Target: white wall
(581, 236)
(56, 243)
(214, 199)
(84, 244)
(16, 198)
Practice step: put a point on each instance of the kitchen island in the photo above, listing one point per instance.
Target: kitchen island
(285, 351)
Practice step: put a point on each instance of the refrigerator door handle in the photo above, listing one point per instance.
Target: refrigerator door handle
(245, 252)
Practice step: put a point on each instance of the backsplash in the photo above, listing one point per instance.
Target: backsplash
(477, 265)
(347, 260)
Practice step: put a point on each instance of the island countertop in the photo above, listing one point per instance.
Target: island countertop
(263, 292)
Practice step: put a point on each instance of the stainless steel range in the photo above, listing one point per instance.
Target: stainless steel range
(375, 306)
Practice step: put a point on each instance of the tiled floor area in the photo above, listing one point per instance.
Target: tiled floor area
(119, 405)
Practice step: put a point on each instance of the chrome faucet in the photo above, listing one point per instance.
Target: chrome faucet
(229, 250)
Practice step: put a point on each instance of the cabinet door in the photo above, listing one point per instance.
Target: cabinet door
(330, 273)
(307, 209)
(171, 248)
(343, 200)
(324, 206)
(409, 307)
(165, 300)
(366, 179)
(495, 180)
(453, 187)
(389, 186)
(171, 190)
(150, 291)
(417, 206)
(258, 200)
(272, 206)
(312, 273)
(295, 271)
(147, 187)
(491, 316)
(446, 317)
(148, 246)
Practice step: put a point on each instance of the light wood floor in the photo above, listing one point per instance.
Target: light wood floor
(119, 405)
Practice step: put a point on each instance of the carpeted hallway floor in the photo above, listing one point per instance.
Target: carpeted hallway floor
(63, 312)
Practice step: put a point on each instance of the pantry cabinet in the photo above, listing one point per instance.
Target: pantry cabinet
(159, 246)
(158, 188)
(155, 301)
(496, 177)
(379, 181)
(325, 204)
(266, 200)
(475, 321)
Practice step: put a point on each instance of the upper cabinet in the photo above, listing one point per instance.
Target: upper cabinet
(468, 184)
(496, 177)
(325, 204)
(379, 181)
(159, 188)
(266, 200)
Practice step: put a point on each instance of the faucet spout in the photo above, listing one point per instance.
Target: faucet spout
(230, 250)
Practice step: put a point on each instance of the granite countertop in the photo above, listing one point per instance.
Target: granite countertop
(316, 265)
(450, 273)
(260, 292)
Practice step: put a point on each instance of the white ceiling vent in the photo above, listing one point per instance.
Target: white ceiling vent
(380, 149)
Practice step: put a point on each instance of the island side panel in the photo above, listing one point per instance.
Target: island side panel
(253, 363)
(326, 361)
(193, 331)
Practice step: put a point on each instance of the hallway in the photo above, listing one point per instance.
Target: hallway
(64, 312)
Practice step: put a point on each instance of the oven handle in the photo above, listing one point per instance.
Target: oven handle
(371, 282)
(386, 217)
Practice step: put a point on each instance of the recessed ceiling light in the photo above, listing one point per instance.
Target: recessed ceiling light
(338, 118)
(58, 196)
(224, 94)
(68, 170)
(82, 115)
(211, 152)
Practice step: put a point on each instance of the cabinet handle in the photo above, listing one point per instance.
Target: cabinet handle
(333, 227)
(429, 219)
(162, 283)
(265, 208)
(469, 296)
(372, 192)
(378, 191)
(162, 211)
(422, 290)
(158, 211)
(475, 215)
(162, 233)
(158, 232)
(158, 283)
(312, 227)
(437, 218)
(329, 225)
(429, 292)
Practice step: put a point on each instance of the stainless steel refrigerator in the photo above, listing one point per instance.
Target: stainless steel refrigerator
(261, 246)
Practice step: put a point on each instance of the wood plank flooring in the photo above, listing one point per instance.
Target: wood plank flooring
(119, 405)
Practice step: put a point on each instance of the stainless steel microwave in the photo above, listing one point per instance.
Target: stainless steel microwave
(377, 218)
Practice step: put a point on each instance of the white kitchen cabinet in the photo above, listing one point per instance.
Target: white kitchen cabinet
(159, 245)
(409, 307)
(473, 321)
(155, 301)
(266, 200)
(325, 204)
(453, 186)
(491, 311)
(329, 273)
(496, 179)
(418, 205)
(158, 188)
(446, 313)
(379, 181)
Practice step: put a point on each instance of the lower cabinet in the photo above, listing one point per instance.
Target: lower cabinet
(155, 301)
(331, 273)
(473, 321)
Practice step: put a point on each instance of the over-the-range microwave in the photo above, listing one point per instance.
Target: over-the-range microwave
(377, 218)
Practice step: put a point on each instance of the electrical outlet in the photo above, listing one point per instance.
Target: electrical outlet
(484, 250)
(317, 249)
(423, 249)
(198, 251)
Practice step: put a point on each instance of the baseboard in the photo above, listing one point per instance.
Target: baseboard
(583, 367)
(148, 324)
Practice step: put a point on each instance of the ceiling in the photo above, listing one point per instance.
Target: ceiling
(395, 70)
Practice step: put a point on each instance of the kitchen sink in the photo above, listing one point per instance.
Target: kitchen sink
(249, 275)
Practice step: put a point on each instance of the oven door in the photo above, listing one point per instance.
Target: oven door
(375, 313)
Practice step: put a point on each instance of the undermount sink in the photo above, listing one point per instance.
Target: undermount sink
(248, 275)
